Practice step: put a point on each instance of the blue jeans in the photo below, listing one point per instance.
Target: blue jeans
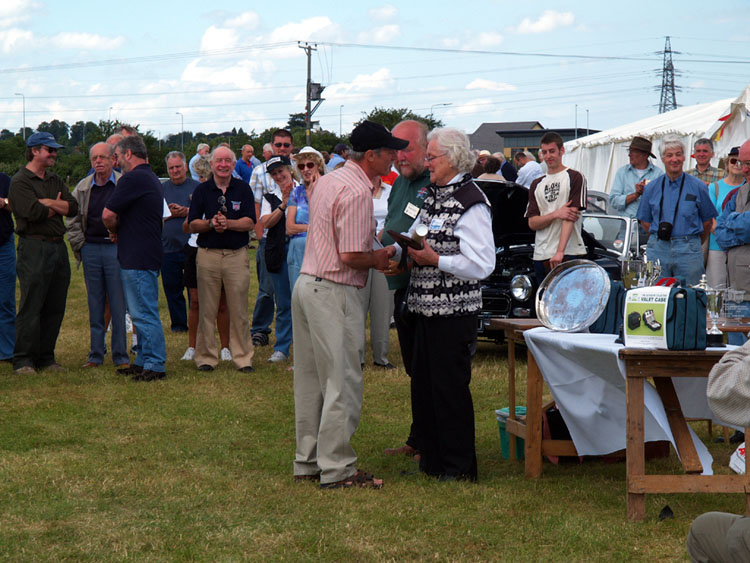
(681, 257)
(283, 294)
(294, 258)
(101, 271)
(172, 267)
(7, 299)
(264, 305)
(142, 296)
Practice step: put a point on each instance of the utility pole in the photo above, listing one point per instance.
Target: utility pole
(313, 90)
(667, 101)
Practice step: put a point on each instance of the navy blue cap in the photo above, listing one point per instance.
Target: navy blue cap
(275, 161)
(734, 151)
(43, 138)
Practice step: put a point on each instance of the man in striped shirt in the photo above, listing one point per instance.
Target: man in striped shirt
(326, 317)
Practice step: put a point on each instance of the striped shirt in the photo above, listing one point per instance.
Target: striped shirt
(341, 220)
(709, 175)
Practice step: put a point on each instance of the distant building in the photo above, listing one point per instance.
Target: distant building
(511, 136)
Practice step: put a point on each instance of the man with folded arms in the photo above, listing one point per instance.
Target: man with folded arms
(91, 244)
(42, 261)
(326, 318)
(134, 214)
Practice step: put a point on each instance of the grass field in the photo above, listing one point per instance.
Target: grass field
(198, 467)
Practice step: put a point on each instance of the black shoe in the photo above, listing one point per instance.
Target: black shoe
(387, 365)
(132, 370)
(737, 437)
(246, 369)
(149, 375)
(448, 478)
(205, 367)
(179, 329)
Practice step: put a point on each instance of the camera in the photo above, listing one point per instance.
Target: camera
(665, 231)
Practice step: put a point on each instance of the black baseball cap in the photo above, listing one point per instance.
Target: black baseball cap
(276, 161)
(369, 135)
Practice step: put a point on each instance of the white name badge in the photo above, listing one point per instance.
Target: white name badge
(436, 224)
(411, 210)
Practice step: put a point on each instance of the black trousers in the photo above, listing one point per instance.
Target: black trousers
(443, 408)
(405, 331)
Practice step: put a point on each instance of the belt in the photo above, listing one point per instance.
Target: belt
(685, 238)
(44, 238)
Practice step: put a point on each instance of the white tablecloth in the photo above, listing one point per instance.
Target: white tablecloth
(587, 380)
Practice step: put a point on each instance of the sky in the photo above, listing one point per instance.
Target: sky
(212, 66)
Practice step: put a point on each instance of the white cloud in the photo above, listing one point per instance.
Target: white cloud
(12, 38)
(383, 14)
(13, 12)
(383, 34)
(548, 21)
(363, 83)
(246, 20)
(216, 38)
(698, 84)
(488, 39)
(239, 75)
(483, 84)
(69, 40)
(477, 105)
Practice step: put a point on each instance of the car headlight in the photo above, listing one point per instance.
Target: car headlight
(520, 287)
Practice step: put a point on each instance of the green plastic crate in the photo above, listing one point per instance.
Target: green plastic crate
(502, 416)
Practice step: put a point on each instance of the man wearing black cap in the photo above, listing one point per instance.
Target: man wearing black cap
(339, 156)
(42, 262)
(326, 319)
(631, 179)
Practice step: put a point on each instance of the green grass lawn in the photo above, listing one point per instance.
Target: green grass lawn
(96, 467)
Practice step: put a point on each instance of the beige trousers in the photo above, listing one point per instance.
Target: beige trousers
(232, 268)
(377, 299)
(327, 321)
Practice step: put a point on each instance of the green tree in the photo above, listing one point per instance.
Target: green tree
(296, 121)
(391, 116)
(59, 130)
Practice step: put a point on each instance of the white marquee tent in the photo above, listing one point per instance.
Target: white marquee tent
(598, 156)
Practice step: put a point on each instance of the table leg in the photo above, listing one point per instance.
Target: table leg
(511, 389)
(635, 456)
(534, 387)
(682, 439)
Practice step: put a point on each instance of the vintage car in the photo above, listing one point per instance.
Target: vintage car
(510, 291)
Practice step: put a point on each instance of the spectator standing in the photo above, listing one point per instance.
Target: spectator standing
(90, 242)
(631, 179)
(678, 214)
(528, 169)
(327, 373)
(491, 168)
(222, 211)
(7, 275)
(506, 168)
(406, 198)
(339, 156)
(177, 193)
(39, 200)
(554, 211)
(133, 213)
(703, 152)
(245, 164)
(201, 150)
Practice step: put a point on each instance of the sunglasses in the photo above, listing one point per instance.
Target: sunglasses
(734, 160)
(303, 165)
(285, 145)
(50, 150)
(223, 202)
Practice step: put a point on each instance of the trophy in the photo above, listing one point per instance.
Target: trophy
(714, 303)
(633, 271)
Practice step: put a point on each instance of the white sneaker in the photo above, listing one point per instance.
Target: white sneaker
(277, 356)
(226, 355)
(189, 354)
(737, 461)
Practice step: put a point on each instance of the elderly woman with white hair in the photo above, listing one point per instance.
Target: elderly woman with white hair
(677, 212)
(443, 302)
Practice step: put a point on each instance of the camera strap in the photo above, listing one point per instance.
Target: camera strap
(679, 197)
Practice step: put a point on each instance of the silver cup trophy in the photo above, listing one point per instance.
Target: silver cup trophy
(714, 303)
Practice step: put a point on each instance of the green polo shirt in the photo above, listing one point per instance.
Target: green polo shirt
(32, 217)
(404, 193)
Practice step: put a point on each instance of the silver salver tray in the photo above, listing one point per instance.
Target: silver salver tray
(572, 296)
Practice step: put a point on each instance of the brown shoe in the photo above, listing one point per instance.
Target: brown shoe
(406, 449)
(122, 366)
(25, 370)
(57, 368)
(90, 365)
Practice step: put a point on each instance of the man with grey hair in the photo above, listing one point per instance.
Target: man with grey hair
(202, 149)
(677, 212)
(177, 192)
(528, 169)
(133, 216)
(245, 164)
(703, 152)
(91, 244)
(506, 168)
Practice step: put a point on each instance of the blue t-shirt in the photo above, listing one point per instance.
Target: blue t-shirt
(239, 201)
(172, 237)
(724, 190)
(138, 200)
(244, 170)
(695, 205)
(298, 199)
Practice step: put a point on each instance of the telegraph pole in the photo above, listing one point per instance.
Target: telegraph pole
(313, 91)
(667, 101)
